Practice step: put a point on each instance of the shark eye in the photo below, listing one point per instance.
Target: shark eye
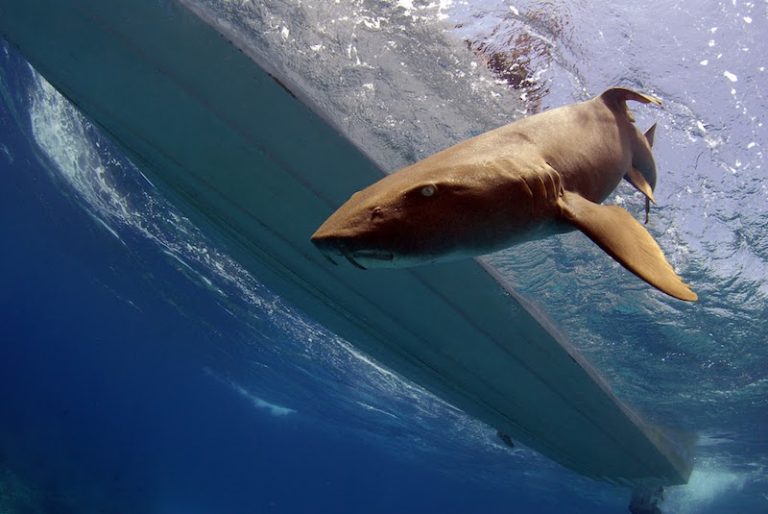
(428, 190)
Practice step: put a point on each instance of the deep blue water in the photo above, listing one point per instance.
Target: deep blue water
(106, 406)
(142, 371)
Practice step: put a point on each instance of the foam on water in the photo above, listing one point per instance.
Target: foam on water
(116, 194)
(123, 201)
(705, 488)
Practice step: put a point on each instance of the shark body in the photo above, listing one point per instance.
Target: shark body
(542, 175)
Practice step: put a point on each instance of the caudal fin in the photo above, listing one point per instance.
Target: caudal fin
(622, 94)
(627, 241)
(616, 98)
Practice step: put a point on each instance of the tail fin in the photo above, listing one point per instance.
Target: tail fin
(616, 99)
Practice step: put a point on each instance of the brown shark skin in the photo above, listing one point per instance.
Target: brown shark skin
(502, 187)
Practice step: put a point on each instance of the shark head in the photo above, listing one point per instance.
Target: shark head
(392, 224)
(418, 216)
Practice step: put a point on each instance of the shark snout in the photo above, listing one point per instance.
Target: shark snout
(330, 245)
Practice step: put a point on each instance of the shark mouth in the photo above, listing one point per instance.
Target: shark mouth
(373, 255)
(367, 256)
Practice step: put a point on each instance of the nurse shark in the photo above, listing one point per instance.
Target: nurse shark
(539, 176)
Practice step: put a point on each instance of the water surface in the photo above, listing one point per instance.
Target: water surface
(143, 370)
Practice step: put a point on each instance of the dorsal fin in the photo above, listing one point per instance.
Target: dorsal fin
(616, 99)
(650, 134)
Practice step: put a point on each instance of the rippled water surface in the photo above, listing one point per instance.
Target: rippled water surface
(403, 79)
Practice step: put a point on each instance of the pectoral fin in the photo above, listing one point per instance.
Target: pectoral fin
(627, 241)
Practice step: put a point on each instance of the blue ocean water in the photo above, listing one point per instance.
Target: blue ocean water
(141, 370)
(109, 401)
